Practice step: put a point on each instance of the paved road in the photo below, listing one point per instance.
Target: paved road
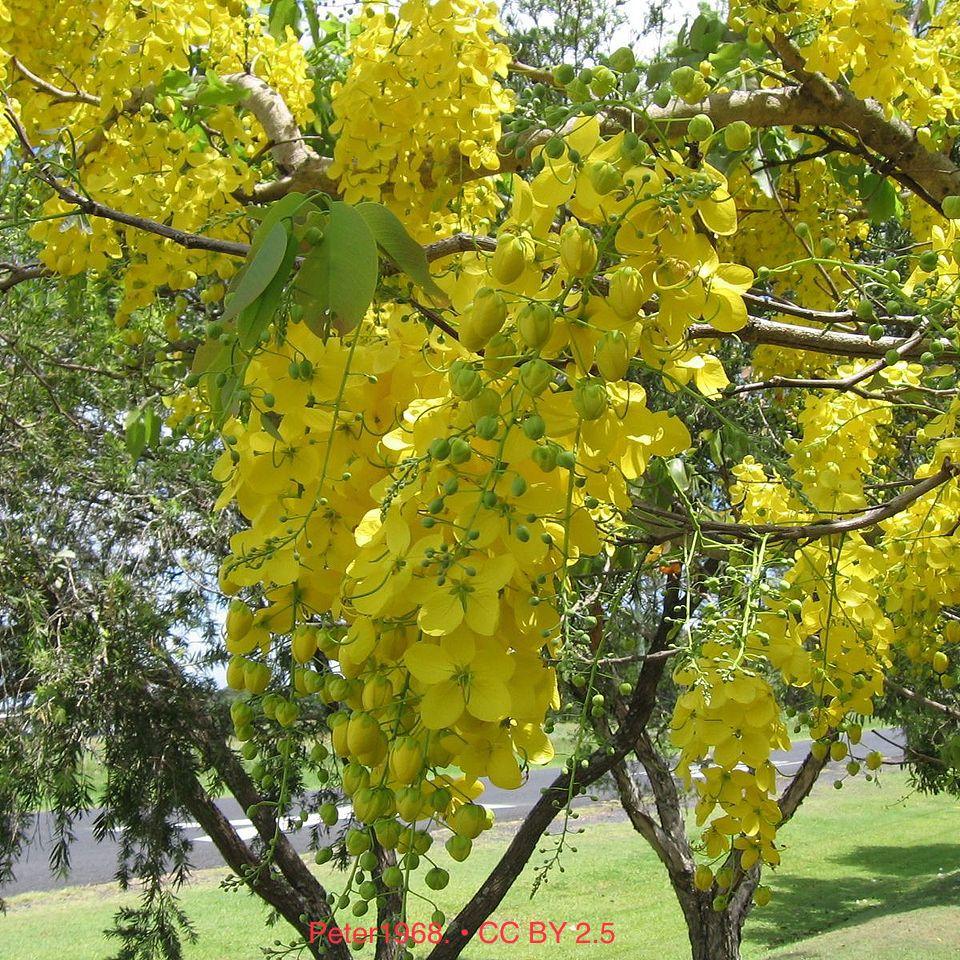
(97, 862)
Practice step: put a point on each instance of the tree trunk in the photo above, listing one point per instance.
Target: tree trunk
(713, 935)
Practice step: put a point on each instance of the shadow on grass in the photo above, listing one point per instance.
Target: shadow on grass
(896, 880)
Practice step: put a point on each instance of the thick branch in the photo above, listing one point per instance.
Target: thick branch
(930, 174)
(218, 755)
(264, 882)
(842, 383)
(303, 169)
(833, 342)
(678, 866)
(952, 712)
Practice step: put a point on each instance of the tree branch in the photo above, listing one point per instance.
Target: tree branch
(59, 95)
(678, 865)
(89, 206)
(844, 383)
(13, 273)
(836, 343)
(785, 532)
(930, 174)
(303, 169)
(952, 712)
(242, 861)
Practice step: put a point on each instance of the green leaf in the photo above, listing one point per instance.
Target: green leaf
(151, 426)
(283, 209)
(283, 14)
(255, 317)
(400, 247)
(216, 93)
(135, 434)
(270, 422)
(927, 11)
(881, 198)
(222, 380)
(261, 267)
(340, 275)
(678, 473)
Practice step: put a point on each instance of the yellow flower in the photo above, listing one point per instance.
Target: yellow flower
(460, 674)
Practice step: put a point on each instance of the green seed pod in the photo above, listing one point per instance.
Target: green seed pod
(603, 176)
(622, 60)
(534, 426)
(545, 457)
(951, 207)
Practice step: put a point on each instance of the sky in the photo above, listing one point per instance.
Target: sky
(675, 12)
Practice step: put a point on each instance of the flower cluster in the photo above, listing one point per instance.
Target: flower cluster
(141, 128)
(421, 106)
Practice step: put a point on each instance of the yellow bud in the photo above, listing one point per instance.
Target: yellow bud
(509, 259)
(409, 803)
(838, 750)
(535, 375)
(578, 250)
(239, 619)
(626, 294)
(468, 821)
(235, 673)
(303, 644)
(603, 176)
(499, 355)
(355, 776)
(590, 399)
(703, 877)
(256, 676)
(407, 760)
(737, 135)
(483, 319)
(338, 740)
(535, 324)
(613, 355)
(377, 692)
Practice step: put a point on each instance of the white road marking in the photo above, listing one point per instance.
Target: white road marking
(247, 831)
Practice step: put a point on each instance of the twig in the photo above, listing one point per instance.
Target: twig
(45, 383)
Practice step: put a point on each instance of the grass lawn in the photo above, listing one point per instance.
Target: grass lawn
(869, 872)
